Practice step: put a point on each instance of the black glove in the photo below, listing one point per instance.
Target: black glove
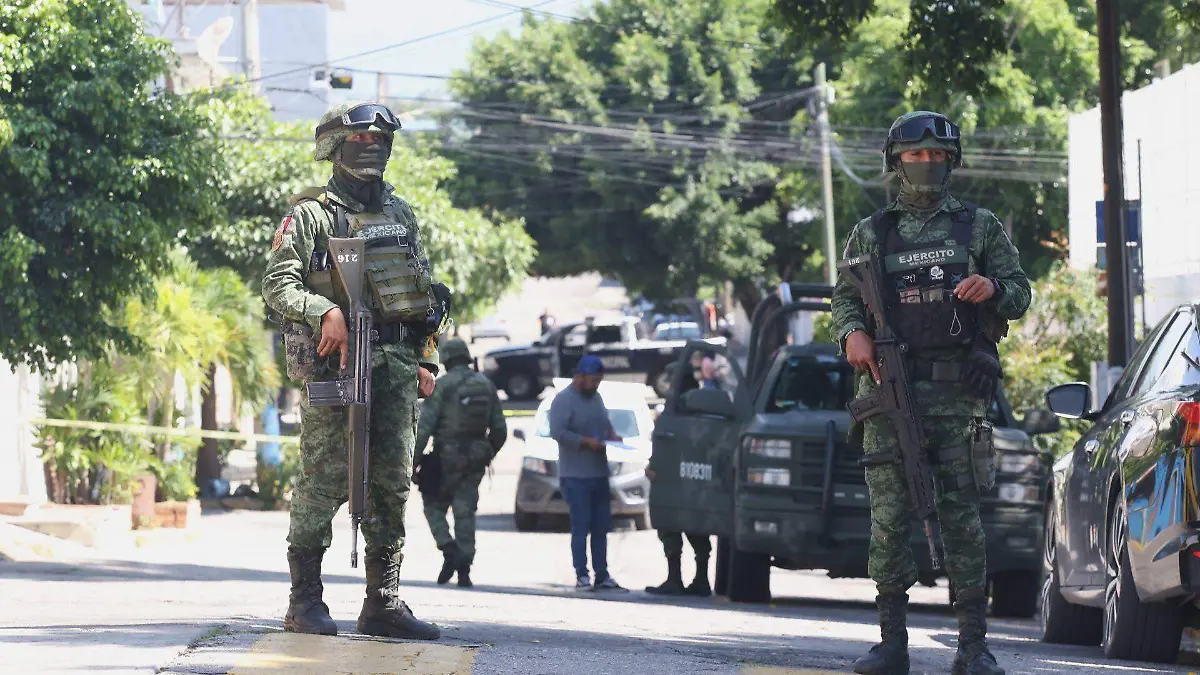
(981, 372)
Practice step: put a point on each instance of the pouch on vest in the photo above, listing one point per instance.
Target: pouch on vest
(300, 350)
(983, 455)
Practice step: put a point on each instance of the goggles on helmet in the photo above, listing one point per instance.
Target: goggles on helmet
(362, 116)
(916, 128)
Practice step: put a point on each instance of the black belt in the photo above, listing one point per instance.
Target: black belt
(935, 371)
(391, 333)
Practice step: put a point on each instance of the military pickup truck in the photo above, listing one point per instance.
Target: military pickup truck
(771, 472)
(629, 356)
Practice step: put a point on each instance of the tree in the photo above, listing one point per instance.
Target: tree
(99, 174)
(626, 139)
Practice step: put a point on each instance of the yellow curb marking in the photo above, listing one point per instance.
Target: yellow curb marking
(772, 670)
(295, 654)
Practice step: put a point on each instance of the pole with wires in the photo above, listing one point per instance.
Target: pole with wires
(250, 54)
(822, 101)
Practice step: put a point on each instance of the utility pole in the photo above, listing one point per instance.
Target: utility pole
(831, 256)
(1120, 300)
(251, 63)
(381, 88)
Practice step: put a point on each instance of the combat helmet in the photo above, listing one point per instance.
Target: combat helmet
(921, 130)
(454, 351)
(345, 119)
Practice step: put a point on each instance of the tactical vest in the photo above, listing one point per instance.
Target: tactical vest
(467, 409)
(400, 283)
(919, 280)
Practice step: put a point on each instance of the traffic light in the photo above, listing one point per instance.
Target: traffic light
(341, 80)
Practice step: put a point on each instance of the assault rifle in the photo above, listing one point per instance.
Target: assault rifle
(352, 388)
(894, 400)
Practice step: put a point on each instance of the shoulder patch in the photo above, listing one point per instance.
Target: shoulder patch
(281, 231)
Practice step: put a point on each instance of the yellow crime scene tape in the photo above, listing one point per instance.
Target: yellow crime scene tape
(190, 432)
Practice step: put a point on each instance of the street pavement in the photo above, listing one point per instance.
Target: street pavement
(210, 602)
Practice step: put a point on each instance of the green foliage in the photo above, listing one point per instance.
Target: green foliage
(84, 466)
(99, 174)
(593, 162)
(823, 329)
(1063, 332)
(276, 482)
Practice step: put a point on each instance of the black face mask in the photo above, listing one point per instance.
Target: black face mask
(364, 160)
(923, 184)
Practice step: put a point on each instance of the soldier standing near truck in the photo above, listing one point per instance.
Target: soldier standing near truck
(952, 281)
(357, 138)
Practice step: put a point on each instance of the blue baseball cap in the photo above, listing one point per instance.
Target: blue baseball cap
(589, 365)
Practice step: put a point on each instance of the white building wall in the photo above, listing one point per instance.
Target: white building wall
(21, 474)
(290, 36)
(1162, 116)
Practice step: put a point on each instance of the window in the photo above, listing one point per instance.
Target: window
(1167, 347)
(624, 422)
(812, 383)
(1124, 384)
(604, 334)
(1183, 367)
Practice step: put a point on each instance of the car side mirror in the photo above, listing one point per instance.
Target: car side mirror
(713, 402)
(1040, 421)
(519, 433)
(1072, 400)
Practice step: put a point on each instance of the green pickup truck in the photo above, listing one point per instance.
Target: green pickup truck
(769, 470)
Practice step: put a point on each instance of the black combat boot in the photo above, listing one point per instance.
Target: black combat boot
(973, 657)
(464, 575)
(674, 583)
(889, 657)
(700, 586)
(306, 612)
(383, 613)
(450, 557)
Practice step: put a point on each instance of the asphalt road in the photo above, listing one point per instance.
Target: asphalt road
(210, 602)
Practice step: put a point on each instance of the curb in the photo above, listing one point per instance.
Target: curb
(21, 545)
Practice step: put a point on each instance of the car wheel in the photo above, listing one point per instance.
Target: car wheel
(642, 522)
(749, 577)
(1015, 594)
(520, 387)
(1062, 622)
(525, 522)
(1134, 630)
(660, 382)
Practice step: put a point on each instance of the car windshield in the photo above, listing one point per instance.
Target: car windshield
(812, 383)
(623, 420)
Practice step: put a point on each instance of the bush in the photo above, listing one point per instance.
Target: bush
(275, 482)
(85, 466)
(1060, 336)
(177, 474)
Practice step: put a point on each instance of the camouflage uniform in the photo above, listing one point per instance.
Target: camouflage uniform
(924, 214)
(290, 288)
(462, 409)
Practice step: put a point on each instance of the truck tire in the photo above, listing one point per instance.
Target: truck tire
(524, 521)
(1015, 594)
(1062, 622)
(521, 387)
(721, 575)
(1134, 630)
(750, 577)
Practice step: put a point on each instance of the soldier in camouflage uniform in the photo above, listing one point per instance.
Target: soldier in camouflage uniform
(952, 280)
(357, 138)
(466, 422)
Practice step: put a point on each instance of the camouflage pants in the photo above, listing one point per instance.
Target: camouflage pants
(891, 563)
(323, 484)
(673, 544)
(463, 501)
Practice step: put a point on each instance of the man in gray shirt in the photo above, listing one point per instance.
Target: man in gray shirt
(579, 422)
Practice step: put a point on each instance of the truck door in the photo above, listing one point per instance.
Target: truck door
(608, 342)
(569, 349)
(694, 444)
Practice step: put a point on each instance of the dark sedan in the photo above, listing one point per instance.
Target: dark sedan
(1122, 554)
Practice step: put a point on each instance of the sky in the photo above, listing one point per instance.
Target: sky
(371, 24)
